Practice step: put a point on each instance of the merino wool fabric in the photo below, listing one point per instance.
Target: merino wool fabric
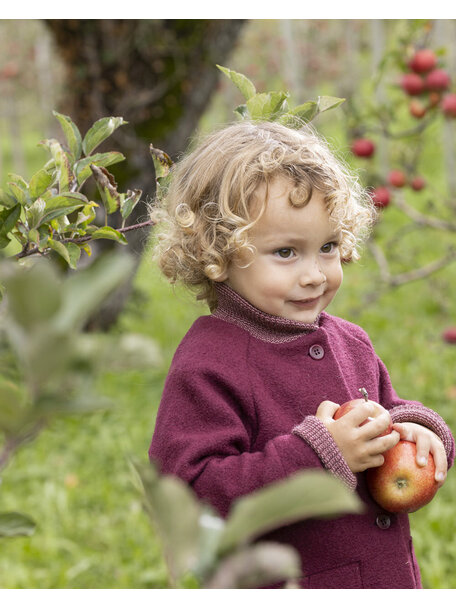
(238, 413)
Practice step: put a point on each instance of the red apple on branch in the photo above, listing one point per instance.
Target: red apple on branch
(396, 178)
(363, 147)
(423, 61)
(437, 80)
(418, 183)
(448, 105)
(412, 83)
(381, 197)
(349, 405)
(400, 485)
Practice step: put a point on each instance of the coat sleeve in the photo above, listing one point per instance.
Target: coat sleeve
(204, 433)
(413, 411)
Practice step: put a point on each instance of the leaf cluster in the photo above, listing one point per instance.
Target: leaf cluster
(49, 212)
(204, 550)
(274, 105)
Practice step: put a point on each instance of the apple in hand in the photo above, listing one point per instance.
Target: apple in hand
(400, 485)
(349, 405)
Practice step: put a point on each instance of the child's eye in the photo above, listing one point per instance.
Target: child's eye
(284, 253)
(329, 247)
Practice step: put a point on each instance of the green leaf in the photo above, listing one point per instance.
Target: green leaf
(100, 131)
(82, 168)
(72, 135)
(329, 103)
(13, 402)
(7, 199)
(262, 564)
(18, 193)
(40, 182)
(162, 162)
(304, 495)
(266, 106)
(175, 513)
(16, 524)
(245, 85)
(85, 290)
(107, 188)
(8, 219)
(130, 201)
(35, 212)
(65, 175)
(306, 111)
(66, 251)
(64, 203)
(107, 232)
(34, 294)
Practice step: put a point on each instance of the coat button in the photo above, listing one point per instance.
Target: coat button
(383, 521)
(316, 351)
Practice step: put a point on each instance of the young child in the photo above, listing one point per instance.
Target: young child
(259, 218)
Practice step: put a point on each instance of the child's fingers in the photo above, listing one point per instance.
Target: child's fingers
(440, 461)
(326, 409)
(423, 445)
(404, 431)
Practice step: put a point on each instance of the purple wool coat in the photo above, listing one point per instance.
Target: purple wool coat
(238, 412)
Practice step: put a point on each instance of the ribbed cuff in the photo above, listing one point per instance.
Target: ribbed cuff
(314, 432)
(428, 418)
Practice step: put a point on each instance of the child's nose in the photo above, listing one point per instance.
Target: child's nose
(312, 274)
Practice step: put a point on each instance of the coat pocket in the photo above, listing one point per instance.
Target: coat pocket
(347, 576)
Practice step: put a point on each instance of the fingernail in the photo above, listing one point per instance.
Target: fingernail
(440, 477)
(422, 461)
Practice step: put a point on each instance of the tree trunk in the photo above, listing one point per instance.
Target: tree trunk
(157, 74)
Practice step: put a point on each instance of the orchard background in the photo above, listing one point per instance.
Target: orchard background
(75, 479)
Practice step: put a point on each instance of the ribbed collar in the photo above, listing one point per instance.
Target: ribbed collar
(233, 308)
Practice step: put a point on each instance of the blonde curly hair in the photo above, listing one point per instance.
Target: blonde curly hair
(207, 212)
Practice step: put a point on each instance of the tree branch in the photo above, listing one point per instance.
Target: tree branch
(83, 239)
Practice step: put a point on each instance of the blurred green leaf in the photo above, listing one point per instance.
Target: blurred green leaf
(100, 131)
(262, 564)
(34, 294)
(16, 524)
(8, 219)
(304, 495)
(13, 406)
(175, 513)
(85, 290)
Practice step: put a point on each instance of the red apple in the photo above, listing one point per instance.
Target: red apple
(448, 105)
(363, 147)
(400, 485)
(449, 335)
(396, 178)
(412, 83)
(437, 80)
(417, 109)
(381, 197)
(423, 61)
(349, 405)
(418, 183)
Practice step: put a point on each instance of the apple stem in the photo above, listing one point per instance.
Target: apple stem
(364, 393)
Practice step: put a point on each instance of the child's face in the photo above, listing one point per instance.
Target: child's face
(296, 269)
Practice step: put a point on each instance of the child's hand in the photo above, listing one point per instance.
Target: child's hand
(360, 445)
(426, 441)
